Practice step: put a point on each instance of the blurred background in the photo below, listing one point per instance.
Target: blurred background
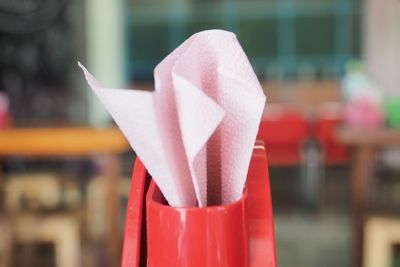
(329, 68)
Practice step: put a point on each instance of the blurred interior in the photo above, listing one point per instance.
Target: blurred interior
(329, 68)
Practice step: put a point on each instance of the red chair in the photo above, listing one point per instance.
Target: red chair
(326, 150)
(283, 131)
(329, 117)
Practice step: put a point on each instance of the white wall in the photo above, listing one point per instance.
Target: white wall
(382, 43)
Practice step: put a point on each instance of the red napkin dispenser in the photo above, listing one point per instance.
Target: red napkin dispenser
(239, 234)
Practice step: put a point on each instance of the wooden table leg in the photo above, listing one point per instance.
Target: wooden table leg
(112, 173)
(362, 167)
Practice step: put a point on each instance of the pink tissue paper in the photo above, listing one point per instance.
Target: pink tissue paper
(195, 132)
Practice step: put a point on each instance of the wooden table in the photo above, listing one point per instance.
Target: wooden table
(79, 141)
(364, 143)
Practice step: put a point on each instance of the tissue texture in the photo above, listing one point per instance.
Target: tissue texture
(195, 133)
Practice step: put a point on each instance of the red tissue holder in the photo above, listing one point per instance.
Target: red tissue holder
(240, 234)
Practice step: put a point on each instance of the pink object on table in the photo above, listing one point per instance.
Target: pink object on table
(195, 133)
(363, 114)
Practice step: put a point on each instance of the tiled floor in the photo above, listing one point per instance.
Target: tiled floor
(316, 237)
(312, 240)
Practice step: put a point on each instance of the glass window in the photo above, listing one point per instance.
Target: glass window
(315, 35)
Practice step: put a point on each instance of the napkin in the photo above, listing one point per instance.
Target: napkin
(195, 132)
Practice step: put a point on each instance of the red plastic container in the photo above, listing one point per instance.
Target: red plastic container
(197, 237)
(237, 234)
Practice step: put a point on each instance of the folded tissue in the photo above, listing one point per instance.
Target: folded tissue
(195, 132)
